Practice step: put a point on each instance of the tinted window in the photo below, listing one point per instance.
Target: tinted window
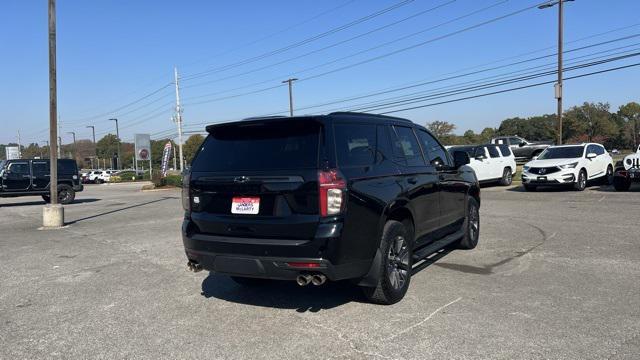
(19, 168)
(515, 140)
(504, 149)
(406, 144)
(565, 152)
(599, 150)
(260, 146)
(493, 151)
(470, 150)
(40, 167)
(435, 151)
(355, 144)
(67, 167)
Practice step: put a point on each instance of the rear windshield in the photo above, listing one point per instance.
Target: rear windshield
(270, 145)
(565, 152)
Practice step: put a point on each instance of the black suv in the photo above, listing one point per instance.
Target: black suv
(331, 197)
(31, 177)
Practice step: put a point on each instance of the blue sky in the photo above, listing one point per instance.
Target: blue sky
(113, 53)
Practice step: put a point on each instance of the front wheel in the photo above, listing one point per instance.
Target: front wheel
(581, 182)
(621, 183)
(395, 271)
(608, 179)
(471, 226)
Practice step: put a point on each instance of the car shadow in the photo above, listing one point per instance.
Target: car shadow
(610, 188)
(42, 202)
(282, 294)
(120, 209)
(289, 295)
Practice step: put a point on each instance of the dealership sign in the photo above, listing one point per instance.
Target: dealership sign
(143, 147)
(166, 153)
(12, 152)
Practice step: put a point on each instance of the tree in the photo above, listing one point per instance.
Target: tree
(630, 114)
(107, 147)
(441, 128)
(191, 146)
(591, 122)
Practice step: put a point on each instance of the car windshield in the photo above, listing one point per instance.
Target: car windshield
(565, 152)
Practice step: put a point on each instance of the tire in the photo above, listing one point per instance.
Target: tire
(608, 178)
(248, 282)
(46, 198)
(581, 182)
(529, 187)
(621, 184)
(471, 226)
(507, 177)
(66, 194)
(395, 273)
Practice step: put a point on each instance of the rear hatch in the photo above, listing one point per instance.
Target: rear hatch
(258, 179)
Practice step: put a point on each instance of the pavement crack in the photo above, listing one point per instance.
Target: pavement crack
(423, 320)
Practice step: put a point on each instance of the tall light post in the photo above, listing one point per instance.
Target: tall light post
(75, 152)
(558, 86)
(290, 82)
(95, 148)
(117, 136)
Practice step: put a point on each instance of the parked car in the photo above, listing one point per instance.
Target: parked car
(93, 175)
(627, 172)
(491, 163)
(31, 177)
(521, 148)
(331, 197)
(572, 165)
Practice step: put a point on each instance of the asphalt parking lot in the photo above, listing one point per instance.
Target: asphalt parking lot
(555, 276)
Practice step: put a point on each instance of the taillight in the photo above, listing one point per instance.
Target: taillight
(186, 200)
(332, 188)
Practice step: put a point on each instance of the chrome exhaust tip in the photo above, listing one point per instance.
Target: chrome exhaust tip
(318, 279)
(194, 267)
(303, 280)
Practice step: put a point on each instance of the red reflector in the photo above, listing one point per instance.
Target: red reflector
(304, 264)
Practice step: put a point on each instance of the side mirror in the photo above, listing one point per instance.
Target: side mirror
(591, 156)
(522, 144)
(460, 158)
(479, 156)
(534, 158)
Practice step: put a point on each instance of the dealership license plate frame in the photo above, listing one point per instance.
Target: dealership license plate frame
(245, 205)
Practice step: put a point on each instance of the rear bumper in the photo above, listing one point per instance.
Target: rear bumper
(267, 258)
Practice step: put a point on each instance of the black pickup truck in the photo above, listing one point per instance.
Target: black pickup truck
(27, 177)
(521, 148)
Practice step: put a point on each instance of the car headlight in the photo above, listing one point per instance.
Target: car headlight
(525, 168)
(569, 166)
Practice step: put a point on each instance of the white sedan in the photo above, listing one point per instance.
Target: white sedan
(568, 165)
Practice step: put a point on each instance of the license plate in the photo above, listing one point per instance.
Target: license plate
(245, 205)
(542, 178)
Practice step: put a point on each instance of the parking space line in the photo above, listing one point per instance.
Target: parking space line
(423, 320)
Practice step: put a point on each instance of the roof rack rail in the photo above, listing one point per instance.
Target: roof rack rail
(264, 117)
(381, 117)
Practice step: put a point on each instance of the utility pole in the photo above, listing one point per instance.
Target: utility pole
(59, 147)
(59, 140)
(53, 214)
(290, 82)
(19, 146)
(118, 137)
(95, 148)
(558, 85)
(178, 116)
(75, 152)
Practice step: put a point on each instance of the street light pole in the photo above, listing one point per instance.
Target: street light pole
(75, 152)
(558, 86)
(290, 82)
(117, 136)
(95, 148)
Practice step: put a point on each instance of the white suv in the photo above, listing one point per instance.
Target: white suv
(491, 163)
(568, 165)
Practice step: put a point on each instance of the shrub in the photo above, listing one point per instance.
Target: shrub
(169, 180)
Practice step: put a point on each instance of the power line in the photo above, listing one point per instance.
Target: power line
(420, 13)
(512, 89)
(305, 41)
